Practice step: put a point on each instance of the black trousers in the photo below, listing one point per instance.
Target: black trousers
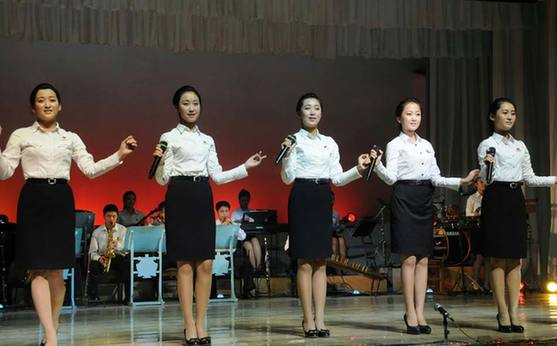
(119, 269)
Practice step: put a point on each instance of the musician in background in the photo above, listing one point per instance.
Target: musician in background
(244, 197)
(223, 213)
(474, 201)
(251, 245)
(101, 258)
(473, 210)
(246, 271)
(158, 218)
(129, 216)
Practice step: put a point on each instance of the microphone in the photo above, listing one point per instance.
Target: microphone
(438, 307)
(157, 160)
(285, 148)
(490, 151)
(372, 165)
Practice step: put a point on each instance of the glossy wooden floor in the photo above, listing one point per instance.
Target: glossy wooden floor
(276, 321)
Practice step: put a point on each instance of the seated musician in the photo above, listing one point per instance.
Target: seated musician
(473, 209)
(129, 216)
(251, 247)
(106, 253)
(158, 218)
(244, 197)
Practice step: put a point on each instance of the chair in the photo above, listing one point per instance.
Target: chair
(85, 220)
(70, 273)
(145, 240)
(225, 246)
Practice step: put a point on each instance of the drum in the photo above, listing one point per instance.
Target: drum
(440, 244)
(472, 225)
(452, 214)
(451, 245)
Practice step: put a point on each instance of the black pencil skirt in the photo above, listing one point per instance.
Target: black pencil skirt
(45, 236)
(503, 221)
(412, 218)
(190, 220)
(310, 215)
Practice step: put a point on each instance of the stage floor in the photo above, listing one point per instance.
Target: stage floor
(359, 320)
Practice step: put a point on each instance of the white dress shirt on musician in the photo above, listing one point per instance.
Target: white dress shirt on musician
(512, 161)
(99, 241)
(49, 154)
(407, 160)
(192, 153)
(315, 157)
(474, 204)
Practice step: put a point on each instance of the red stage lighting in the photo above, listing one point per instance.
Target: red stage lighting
(350, 217)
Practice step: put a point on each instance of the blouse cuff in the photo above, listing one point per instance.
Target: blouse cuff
(113, 161)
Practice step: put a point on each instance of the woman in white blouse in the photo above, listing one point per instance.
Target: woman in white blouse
(503, 218)
(412, 168)
(313, 163)
(45, 211)
(189, 160)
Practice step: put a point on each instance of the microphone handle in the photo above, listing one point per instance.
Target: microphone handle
(280, 156)
(489, 172)
(370, 170)
(154, 167)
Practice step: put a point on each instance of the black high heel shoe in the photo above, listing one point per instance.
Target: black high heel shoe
(424, 329)
(503, 329)
(414, 330)
(206, 340)
(312, 333)
(517, 328)
(192, 341)
(323, 333)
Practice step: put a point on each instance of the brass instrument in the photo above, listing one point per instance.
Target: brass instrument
(109, 253)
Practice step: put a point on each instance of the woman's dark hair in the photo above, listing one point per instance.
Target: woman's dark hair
(400, 107)
(110, 207)
(494, 107)
(181, 91)
(221, 204)
(305, 97)
(43, 86)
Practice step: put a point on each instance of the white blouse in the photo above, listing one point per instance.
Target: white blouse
(49, 154)
(408, 160)
(315, 156)
(192, 153)
(512, 161)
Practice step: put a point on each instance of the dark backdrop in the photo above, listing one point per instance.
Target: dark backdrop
(248, 105)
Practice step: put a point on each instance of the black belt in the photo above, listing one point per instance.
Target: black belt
(510, 184)
(414, 182)
(317, 181)
(50, 181)
(197, 178)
